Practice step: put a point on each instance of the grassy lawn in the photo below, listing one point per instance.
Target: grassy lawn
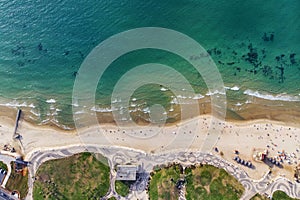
(210, 183)
(162, 183)
(18, 182)
(80, 176)
(122, 187)
(3, 166)
(278, 195)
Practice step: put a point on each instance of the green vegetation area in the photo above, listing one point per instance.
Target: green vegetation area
(163, 183)
(202, 182)
(210, 183)
(122, 187)
(80, 176)
(3, 166)
(278, 195)
(18, 182)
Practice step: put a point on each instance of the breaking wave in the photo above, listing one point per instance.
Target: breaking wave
(267, 96)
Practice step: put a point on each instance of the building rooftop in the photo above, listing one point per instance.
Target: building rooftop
(126, 172)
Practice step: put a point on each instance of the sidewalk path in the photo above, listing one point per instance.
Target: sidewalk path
(120, 155)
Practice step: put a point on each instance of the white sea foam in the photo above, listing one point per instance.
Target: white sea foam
(171, 109)
(186, 100)
(198, 96)
(146, 110)
(75, 104)
(235, 88)
(50, 101)
(79, 112)
(134, 99)
(116, 101)
(30, 117)
(16, 103)
(248, 101)
(210, 93)
(174, 101)
(134, 110)
(45, 121)
(54, 113)
(163, 89)
(238, 104)
(52, 107)
(35, 113)
(277, 97)
(98, 109)
(31, 105)
(65, 127)
(133, 105)
(181, 97)
(55, 121)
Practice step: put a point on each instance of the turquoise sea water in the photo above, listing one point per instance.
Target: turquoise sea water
(255, 44)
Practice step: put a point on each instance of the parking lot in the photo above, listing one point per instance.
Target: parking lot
(4, 195)
(2, 175)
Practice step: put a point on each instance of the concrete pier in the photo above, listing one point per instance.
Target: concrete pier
(17, 121)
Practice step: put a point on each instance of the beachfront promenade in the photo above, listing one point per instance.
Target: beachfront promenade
(118, 155)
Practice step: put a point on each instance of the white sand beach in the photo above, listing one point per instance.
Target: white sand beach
(190, 135)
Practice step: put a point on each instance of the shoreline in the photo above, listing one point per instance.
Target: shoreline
(259, 109)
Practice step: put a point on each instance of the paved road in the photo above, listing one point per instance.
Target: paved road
(117, 155)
